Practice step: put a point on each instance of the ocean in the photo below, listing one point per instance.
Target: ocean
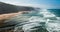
(55, 11)
(48, 18)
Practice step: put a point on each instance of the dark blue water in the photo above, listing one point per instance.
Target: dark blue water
(55, 11)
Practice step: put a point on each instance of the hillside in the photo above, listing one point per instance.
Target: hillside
(8, 8)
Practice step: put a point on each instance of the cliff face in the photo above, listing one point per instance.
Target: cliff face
(8, 8)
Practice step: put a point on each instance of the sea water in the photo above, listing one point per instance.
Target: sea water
(50, 19)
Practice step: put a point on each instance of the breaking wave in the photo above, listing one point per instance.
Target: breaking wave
(52, 22)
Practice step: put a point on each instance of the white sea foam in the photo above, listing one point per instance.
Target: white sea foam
(51, 25)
